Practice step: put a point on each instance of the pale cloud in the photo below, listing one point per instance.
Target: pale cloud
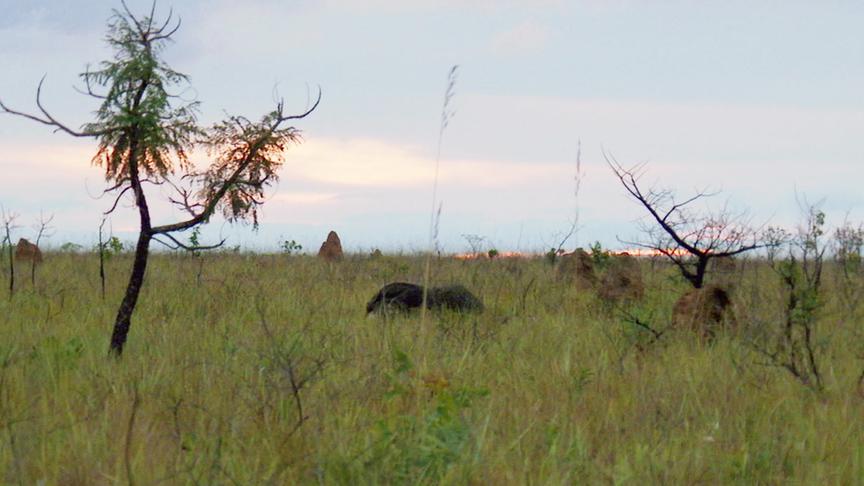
(363, 162)
(528, 37)
(760, 154)
(48, 175)
(357, 162)
(323, 180)
(306, 198)
(709, 95)
(406, 5)
(259, 29)
(686, 135)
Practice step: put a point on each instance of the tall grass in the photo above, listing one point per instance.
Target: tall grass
(435, 214)
(548, 386)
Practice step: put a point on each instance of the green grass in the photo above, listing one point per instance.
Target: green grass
(548, 386)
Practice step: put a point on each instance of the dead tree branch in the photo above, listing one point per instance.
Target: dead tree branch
(689, 239)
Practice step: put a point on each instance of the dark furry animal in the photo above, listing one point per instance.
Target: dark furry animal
(398, 295)
(454, 297)
(403, 296)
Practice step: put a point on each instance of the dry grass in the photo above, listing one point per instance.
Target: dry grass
(548, 386)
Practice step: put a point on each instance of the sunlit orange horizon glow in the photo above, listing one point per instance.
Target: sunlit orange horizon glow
(650, 252)
(502, 254)
(636, 252)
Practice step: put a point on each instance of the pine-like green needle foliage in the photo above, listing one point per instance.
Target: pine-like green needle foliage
(146, 128)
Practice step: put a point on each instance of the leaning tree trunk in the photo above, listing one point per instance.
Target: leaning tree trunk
(139, 267)
(127, 307)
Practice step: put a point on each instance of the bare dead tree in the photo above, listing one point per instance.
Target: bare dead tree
(102, 258)
(848, 243)
(9, 226)
(558, 250)
(288, 367)
(43, 229)
(475, 244)
(642, 324)
(690, 239)
(145, 133)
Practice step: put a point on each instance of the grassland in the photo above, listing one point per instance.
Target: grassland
(266, 370)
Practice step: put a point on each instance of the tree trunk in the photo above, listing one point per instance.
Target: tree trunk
(11, 267)
(139, 267)
(127, 307)
(701, 267)
(102, 259)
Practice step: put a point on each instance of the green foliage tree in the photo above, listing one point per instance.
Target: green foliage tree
(797, 347)
(145, 133)
(70, 247)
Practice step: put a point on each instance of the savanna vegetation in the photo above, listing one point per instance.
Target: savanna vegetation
(266, 370)
(145, 131)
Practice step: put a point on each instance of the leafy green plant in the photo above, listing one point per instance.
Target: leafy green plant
(796, 346)
(195, 238)
(420, 449)
(195, 248)
(552, 255)
(291, 247)
(115, 245)
(600, 256)
(110, 248)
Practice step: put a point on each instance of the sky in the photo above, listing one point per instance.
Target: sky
(762, 100)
